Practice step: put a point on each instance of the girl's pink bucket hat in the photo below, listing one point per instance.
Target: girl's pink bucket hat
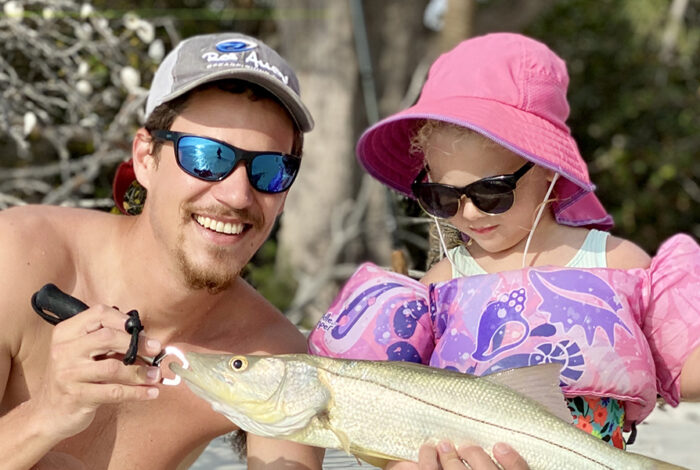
(511, 89)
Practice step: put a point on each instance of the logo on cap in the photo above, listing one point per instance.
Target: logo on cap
(235, 45)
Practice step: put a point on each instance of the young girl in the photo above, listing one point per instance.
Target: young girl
(538, 278)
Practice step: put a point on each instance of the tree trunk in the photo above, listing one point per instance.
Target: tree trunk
(324, 46)
(318, 42)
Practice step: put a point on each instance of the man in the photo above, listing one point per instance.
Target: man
(216, 156)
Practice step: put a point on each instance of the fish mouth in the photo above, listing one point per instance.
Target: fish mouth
(201, 371)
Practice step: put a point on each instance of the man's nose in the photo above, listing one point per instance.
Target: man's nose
(235, 190)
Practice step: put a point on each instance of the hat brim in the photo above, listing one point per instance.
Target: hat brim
(292, 103)
(385, 148)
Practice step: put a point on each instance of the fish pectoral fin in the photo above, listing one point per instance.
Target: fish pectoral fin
(374, 461)
(343, 438)
(373, 458)
(539, 383)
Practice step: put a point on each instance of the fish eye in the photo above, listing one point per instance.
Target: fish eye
(238, 363)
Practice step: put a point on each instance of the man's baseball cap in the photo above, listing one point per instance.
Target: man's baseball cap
(211, 57)
(207, 58)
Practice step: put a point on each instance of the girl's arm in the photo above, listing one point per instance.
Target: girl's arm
(690, 377)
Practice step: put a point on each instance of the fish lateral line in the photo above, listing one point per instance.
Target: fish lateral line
(467, 417)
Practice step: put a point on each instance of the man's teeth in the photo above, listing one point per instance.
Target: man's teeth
(219, 226)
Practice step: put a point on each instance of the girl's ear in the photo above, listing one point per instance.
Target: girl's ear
(142, 156)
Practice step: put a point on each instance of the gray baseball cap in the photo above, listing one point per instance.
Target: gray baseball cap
(206, 58)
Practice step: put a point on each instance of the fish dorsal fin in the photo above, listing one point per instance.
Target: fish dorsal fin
(539, 383)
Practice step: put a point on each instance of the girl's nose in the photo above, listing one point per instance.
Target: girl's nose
(468, 210)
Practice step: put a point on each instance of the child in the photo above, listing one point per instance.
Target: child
(538, 279)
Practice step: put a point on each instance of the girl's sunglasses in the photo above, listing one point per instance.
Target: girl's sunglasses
(212, 160)
(492, 195)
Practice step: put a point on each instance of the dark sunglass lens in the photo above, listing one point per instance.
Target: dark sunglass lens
(205, 158)
(492, 197)
(273, 173)
(437, 200)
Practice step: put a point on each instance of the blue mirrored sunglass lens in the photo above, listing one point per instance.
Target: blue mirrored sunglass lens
(204, 158)
(272, 173)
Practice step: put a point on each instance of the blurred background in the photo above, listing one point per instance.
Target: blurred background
(74, 76)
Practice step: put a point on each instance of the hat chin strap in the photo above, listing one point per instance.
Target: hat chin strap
(446, 253)
(443, 247)
(539, 216)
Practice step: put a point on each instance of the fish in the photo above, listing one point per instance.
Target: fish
(380, 411)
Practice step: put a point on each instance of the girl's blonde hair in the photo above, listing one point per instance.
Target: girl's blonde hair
(420, 140)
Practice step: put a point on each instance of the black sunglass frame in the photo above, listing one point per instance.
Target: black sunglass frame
(242, 155)
(510, 181)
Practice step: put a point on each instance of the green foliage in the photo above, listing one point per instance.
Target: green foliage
(635, 112)
(260, 272)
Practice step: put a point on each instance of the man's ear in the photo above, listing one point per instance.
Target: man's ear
(143, 158)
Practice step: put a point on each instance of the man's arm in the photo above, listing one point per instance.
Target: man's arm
(271, 454)
(22, 437)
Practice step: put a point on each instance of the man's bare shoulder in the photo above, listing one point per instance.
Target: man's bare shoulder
(38, 245)
(38, 242)
(39, 225)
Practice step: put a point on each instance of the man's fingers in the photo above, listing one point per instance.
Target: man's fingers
(102, 394)
(114, 371)
(90, 320)
(149, 347)
(105, 327)
(508, 458)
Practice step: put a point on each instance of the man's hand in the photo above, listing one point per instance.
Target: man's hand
(446, 457)
(84, 370)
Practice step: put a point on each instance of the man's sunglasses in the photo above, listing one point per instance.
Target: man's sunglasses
(492, 195)
(212, 160)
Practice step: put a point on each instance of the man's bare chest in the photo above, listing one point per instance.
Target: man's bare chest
(154, 434)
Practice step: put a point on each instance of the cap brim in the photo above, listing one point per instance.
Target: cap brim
(290, 100)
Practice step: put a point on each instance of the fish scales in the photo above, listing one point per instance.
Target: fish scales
(386, 410)
(441, 405)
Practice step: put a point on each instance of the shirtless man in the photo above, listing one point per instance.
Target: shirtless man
(68, 401)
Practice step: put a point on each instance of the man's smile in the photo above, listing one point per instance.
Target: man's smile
(219, 226)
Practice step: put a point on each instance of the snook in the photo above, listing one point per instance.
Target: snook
(382, 411)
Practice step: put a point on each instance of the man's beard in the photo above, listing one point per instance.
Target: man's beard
(218, 275)
(204, 277)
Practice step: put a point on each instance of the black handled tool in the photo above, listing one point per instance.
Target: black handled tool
(54, 306)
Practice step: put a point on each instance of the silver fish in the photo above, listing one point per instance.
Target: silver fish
(382, 411)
